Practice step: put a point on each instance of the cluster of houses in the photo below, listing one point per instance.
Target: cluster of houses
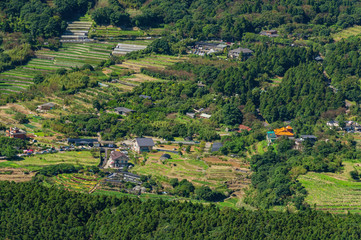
(269, 33)
(199, 113)
(349, 126)
(206, 48)
(287, 132)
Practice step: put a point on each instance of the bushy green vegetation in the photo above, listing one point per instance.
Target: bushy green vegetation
(9, 146)
(85, 216)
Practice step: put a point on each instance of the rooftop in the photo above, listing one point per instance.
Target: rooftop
(116, 154)
(241, 50)
(123, 109)
(216, 146)
(144, 142)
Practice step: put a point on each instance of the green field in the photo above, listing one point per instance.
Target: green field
(332, 192)
(36, 162)
(348, 32)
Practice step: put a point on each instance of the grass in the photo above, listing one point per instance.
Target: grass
(334, 192)
(36, 162)
(348, 32)
(230, 202)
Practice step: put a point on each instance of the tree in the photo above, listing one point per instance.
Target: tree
(21, 118)
(38, 79)
(10, 152)
(231, 114)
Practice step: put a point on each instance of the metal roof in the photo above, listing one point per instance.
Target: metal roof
(144, 142)
(123, 109)
(216, 146)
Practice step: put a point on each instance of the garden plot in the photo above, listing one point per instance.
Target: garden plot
(77, 181)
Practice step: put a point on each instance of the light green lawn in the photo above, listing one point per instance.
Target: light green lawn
(38, 161)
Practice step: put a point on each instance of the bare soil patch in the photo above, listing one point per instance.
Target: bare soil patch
(15, 174)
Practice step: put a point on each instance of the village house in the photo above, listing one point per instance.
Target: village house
(244, 53)
(243, 128)
(352, 126)
(284, 131)
(191, 115)
(203, 48)
(118, 159)
(271, 137)
(45, 107)
(269, 33)
(299, 141)
(205, 115)
(123, 111)
(145, 97)
(333, 124)
(143, 145)
(15, 132)
(216, 146)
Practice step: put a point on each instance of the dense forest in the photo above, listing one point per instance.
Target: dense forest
(50, 213)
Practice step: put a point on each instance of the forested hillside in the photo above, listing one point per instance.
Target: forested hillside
(49, 213)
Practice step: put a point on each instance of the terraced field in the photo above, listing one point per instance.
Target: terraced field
(348, 32)
(71, 55)
(332, 192)
(110, 32)
(77, 181)
(134, 66)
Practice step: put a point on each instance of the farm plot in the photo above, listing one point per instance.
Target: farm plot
(335, 193)
(70, 55)
(134, 68)
(348, 32)
(77, 181)
(15, 174)
(197, 171)
(110, 32)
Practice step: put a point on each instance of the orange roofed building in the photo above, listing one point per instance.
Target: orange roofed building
(285, 131)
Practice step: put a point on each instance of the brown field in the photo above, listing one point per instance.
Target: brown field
(218, 161)
(17, 175)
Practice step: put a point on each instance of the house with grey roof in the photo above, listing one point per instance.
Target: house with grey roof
(145, 97)
(118, 159)
(216, 146)
(143, 145)
(244, 53)
(45, 107)
(123, 111)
